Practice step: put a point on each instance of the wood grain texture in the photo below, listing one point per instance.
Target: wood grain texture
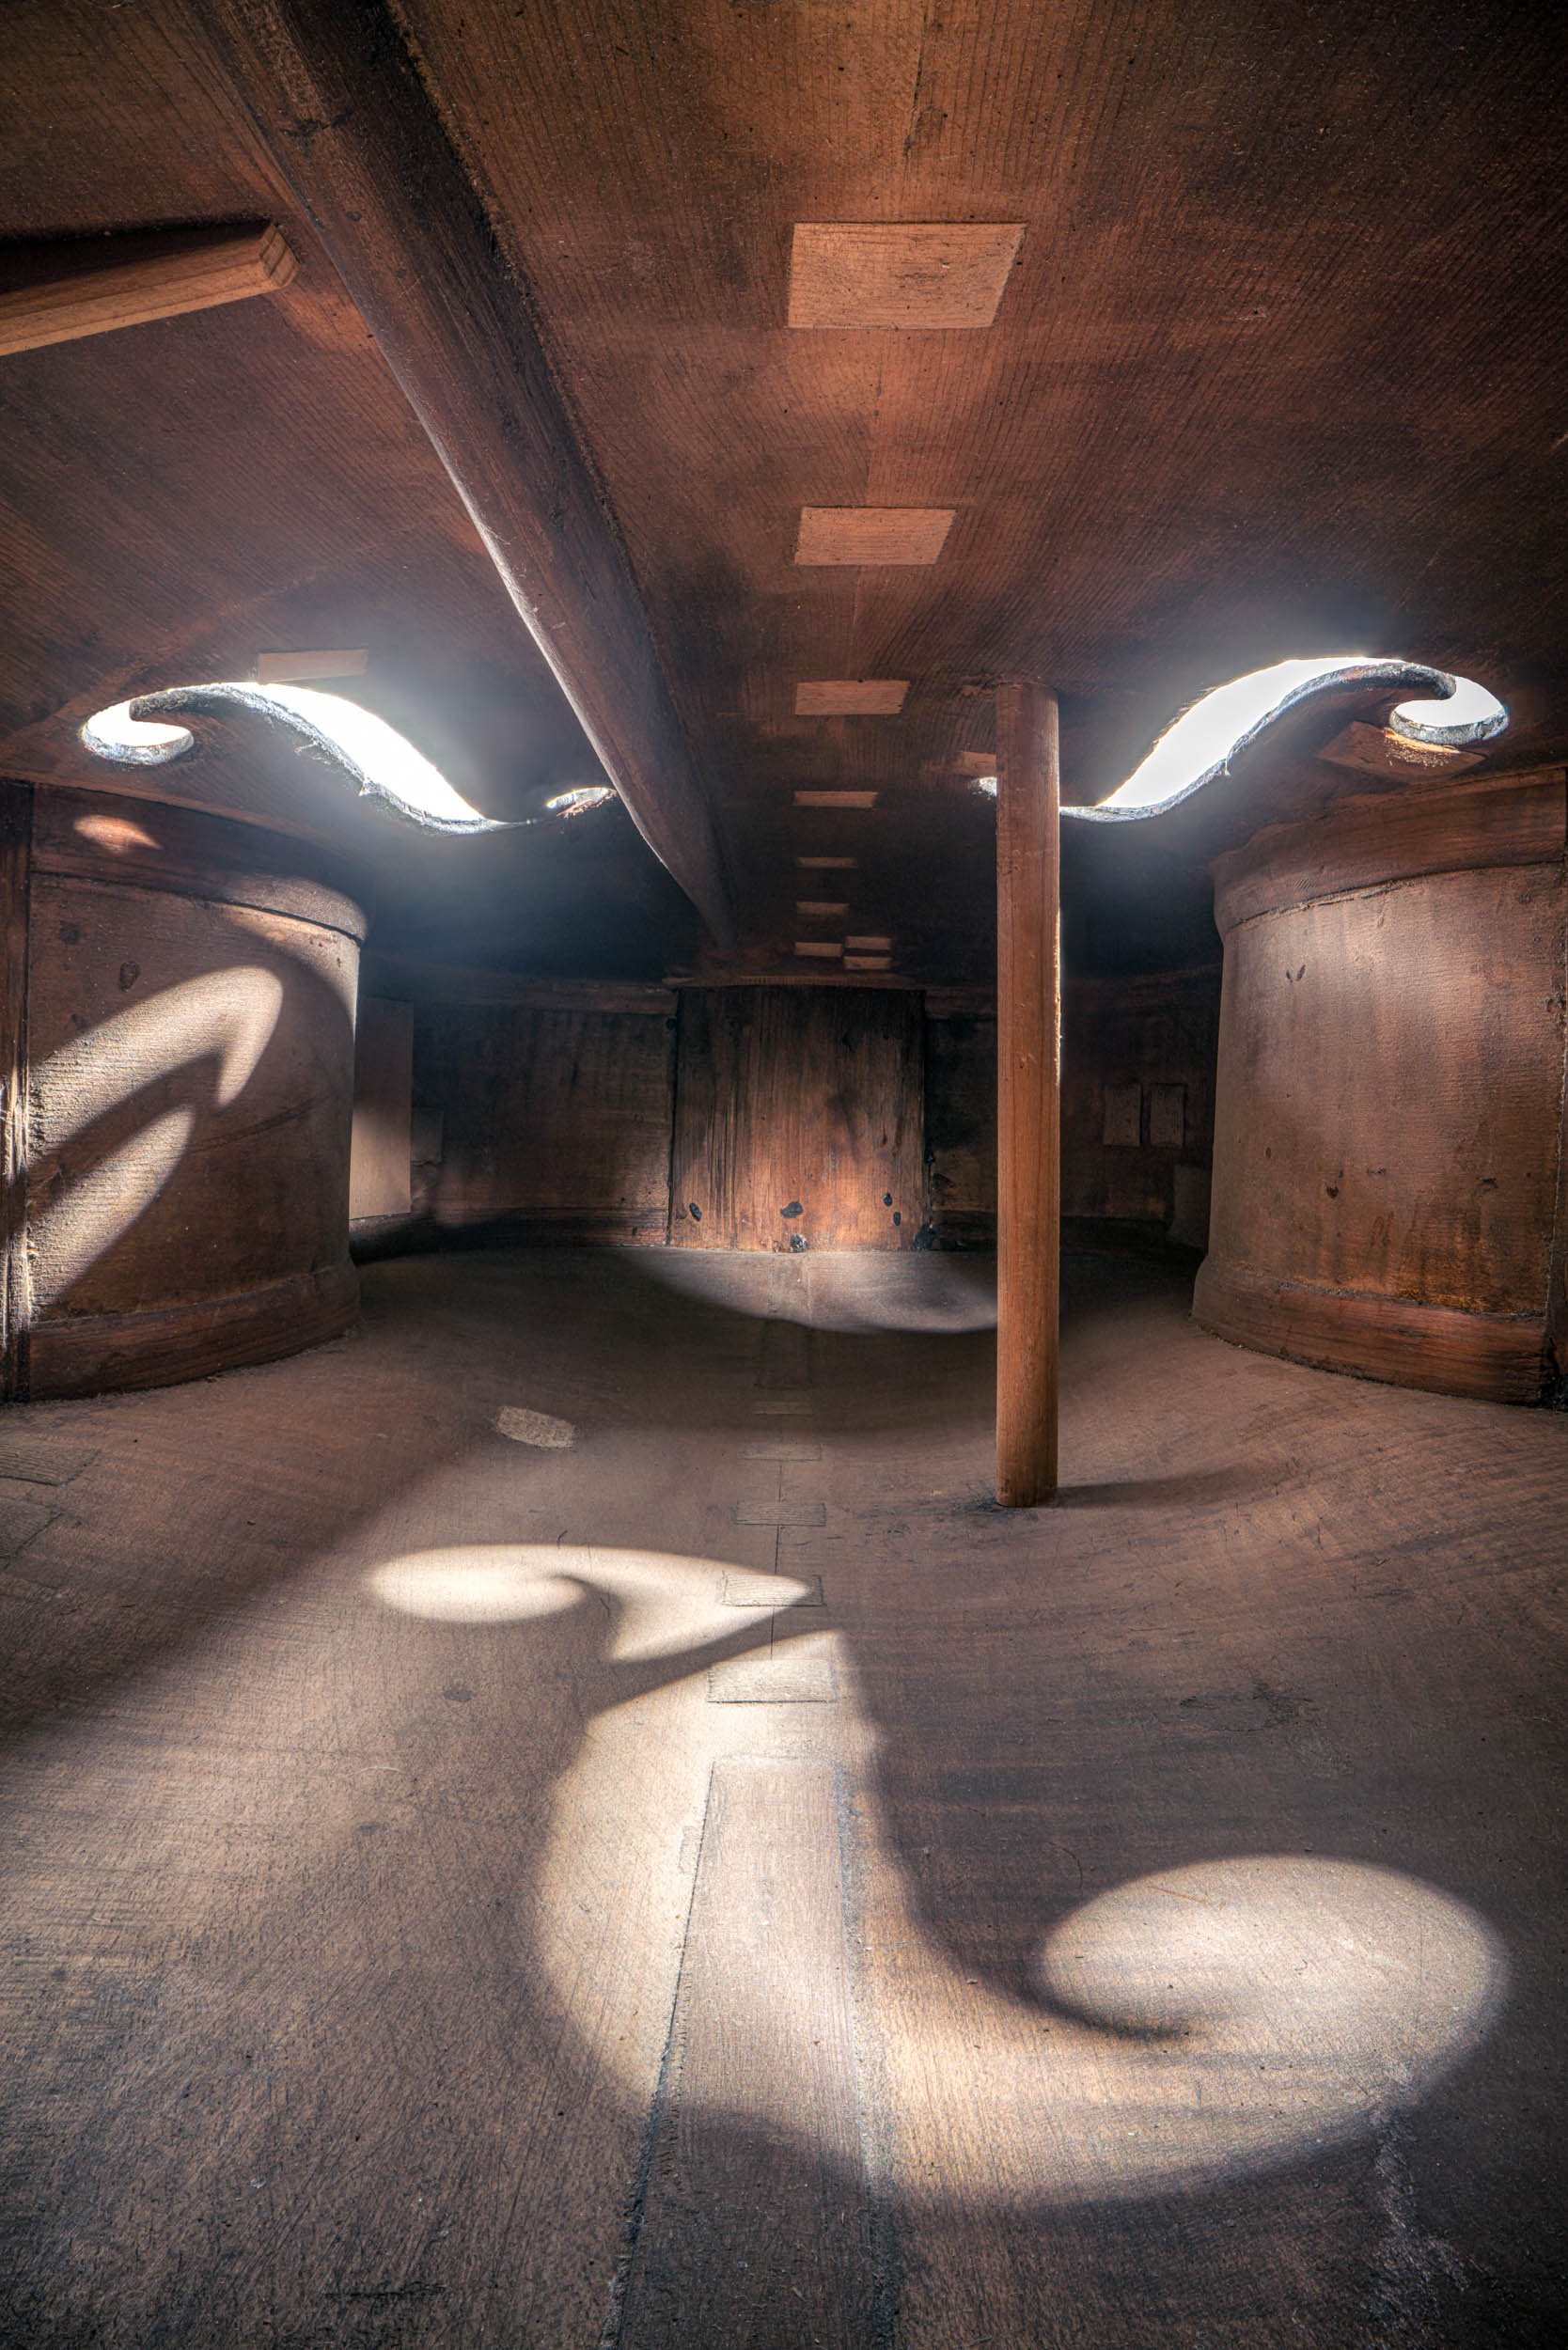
(380, 1147)
(16, 851)
(189, 270)
(574, 1127)
(559, 1124)
(960, 1128)
(395, 1912)
(296, 668)
(1157, 1034)
(188, 1089)
(1174, 460)
(1029, 1093)
(850, 697)
(922, 275)
(1173, 456)
(414, 979)
(1380, 751)
(159, 1346)
(1390, 1090)
(1358, 843)
(144, 552)
(555, 1118)
(102, 840)
(750, 2247)
(1557, 1291)
(873, 533)
(799, 1120)
(353, 129)
(1493, 1356)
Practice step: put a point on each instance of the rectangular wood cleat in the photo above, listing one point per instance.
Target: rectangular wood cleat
(780, 1513)
(787, 1676)
(747, 1586)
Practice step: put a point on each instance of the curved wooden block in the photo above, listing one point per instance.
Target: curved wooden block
(1388, 1170)
(179, 1201)
(97, 1354)
(1496, 1357)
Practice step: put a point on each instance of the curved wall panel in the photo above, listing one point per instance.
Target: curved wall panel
(179, 1201)
(1387, 1183)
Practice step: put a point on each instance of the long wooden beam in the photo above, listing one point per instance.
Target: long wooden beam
(352, 128)
(95, 286)
(1029, 1093)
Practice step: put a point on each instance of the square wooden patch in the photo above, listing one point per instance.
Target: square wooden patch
(781, 1512)
(301, 668)
(799, 1674)
(1168, 1117)
(900, 274)
(873, 533)
(850, 697)
(748, 1587)
(1123, 1129)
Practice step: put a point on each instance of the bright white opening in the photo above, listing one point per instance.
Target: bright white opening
(385, 757)
(1204, 736)
(581, 796)
(1469, 706)
(1204, 739)
(384, 762)
(113, 733)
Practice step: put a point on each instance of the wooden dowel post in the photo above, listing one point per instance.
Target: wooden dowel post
(98, 283)
(1029, 1093)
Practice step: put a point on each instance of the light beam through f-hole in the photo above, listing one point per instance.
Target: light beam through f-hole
(1205, 2020)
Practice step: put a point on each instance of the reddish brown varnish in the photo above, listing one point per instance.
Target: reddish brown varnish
(799, 1120)
(172, 1213)
(1386, 1142)
(1028, 1092)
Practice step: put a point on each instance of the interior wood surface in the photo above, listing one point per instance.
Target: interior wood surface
(184, 273)
(381, 1147)
(1389, 1091)
(1029, 1091)
(373, 1973)
(16, 856)
(559, 1116)
(799, 1120)
(1439, 1182)
(1267, 376)
(190, 1009)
